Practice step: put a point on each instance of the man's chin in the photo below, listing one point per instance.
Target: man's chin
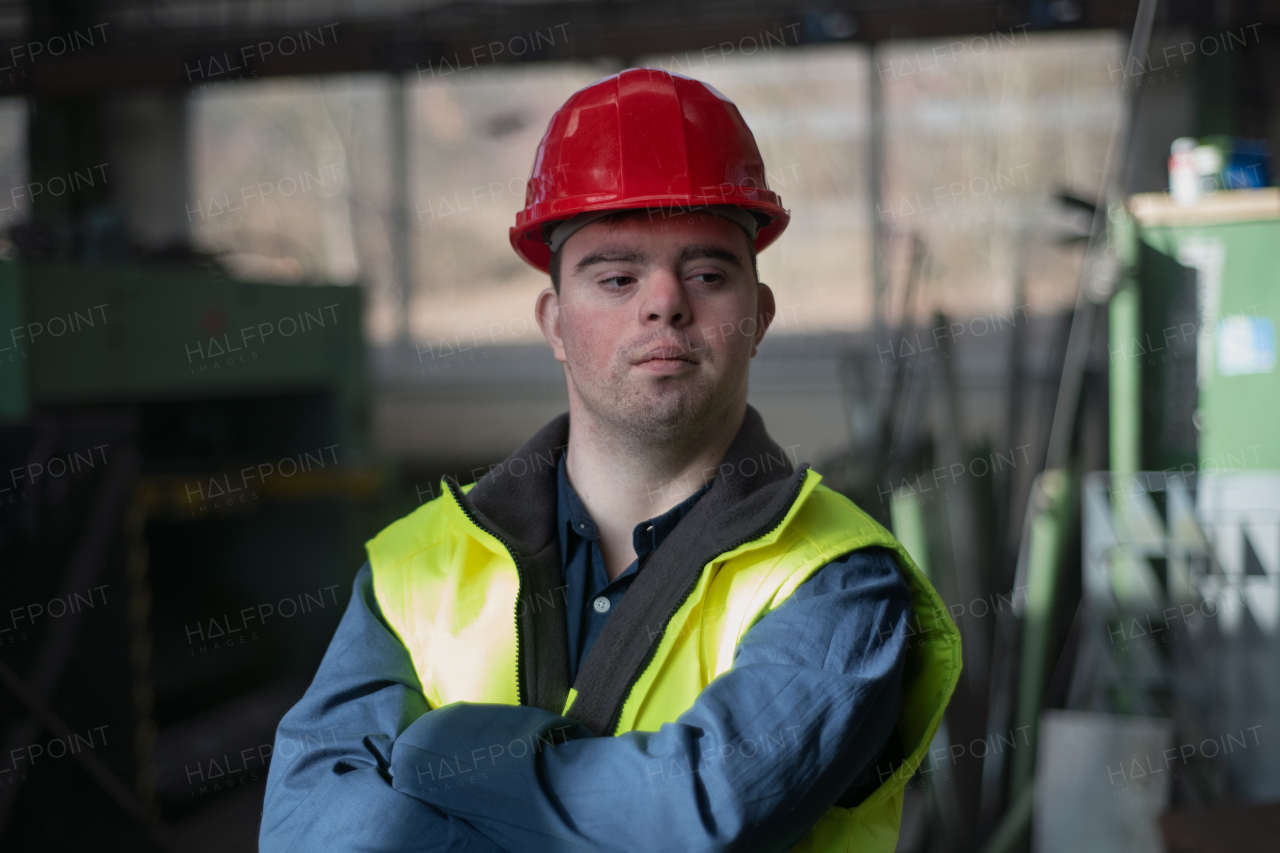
(670, 409)
(665, 419)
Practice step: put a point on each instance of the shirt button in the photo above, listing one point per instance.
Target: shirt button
(650, 527)
(601, 605)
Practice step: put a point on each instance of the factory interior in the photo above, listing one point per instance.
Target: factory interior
(257, 298)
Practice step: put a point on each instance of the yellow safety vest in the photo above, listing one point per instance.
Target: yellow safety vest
(449, 589)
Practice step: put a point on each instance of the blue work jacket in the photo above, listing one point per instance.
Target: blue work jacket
(824, 665)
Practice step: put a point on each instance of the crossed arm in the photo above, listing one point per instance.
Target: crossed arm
(767, 747)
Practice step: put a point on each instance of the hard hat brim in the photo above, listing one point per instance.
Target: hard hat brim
(528, 242)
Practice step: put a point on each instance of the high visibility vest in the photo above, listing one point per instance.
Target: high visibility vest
(449, 590)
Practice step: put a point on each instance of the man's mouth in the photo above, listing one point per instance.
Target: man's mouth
(666, 359)
(667, 352)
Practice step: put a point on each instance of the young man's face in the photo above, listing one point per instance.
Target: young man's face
(656, 321)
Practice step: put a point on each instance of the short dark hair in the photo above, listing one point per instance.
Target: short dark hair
(621, 215)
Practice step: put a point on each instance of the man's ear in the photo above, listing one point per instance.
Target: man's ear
(547, 312)
(766, 307)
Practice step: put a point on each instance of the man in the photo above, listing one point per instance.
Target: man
(645, 629)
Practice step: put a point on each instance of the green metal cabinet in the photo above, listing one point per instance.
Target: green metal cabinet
(85, 335)
(1195, 378)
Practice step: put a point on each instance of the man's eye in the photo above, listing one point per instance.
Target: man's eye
(622, 280)
(710, 277)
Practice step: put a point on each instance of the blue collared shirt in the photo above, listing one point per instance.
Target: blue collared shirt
(590, 595)
(767, 747)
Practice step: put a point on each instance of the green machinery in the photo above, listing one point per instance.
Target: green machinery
(83, 336)
(233, 421)
(1181, 574)
(1182, 536)
(1195, 383)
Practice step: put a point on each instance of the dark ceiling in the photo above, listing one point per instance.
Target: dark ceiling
(148, 44)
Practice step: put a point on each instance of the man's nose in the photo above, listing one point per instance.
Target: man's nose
(665, 299)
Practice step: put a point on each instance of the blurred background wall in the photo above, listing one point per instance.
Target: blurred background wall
(257, 297)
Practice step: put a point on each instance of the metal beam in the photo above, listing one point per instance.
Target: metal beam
(490, 34)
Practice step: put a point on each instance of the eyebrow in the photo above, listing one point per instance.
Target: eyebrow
(718, 253)
(610, 254)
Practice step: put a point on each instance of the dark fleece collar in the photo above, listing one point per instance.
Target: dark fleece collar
(753, 489)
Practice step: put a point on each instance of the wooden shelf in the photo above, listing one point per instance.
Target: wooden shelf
(1211, 209)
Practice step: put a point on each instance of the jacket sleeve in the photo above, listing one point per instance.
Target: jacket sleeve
(329, 787)
(768, 746)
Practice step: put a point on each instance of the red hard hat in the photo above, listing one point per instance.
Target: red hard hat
(643, 138)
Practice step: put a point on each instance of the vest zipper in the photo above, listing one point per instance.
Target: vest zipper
(456, 491)
(653, 650)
